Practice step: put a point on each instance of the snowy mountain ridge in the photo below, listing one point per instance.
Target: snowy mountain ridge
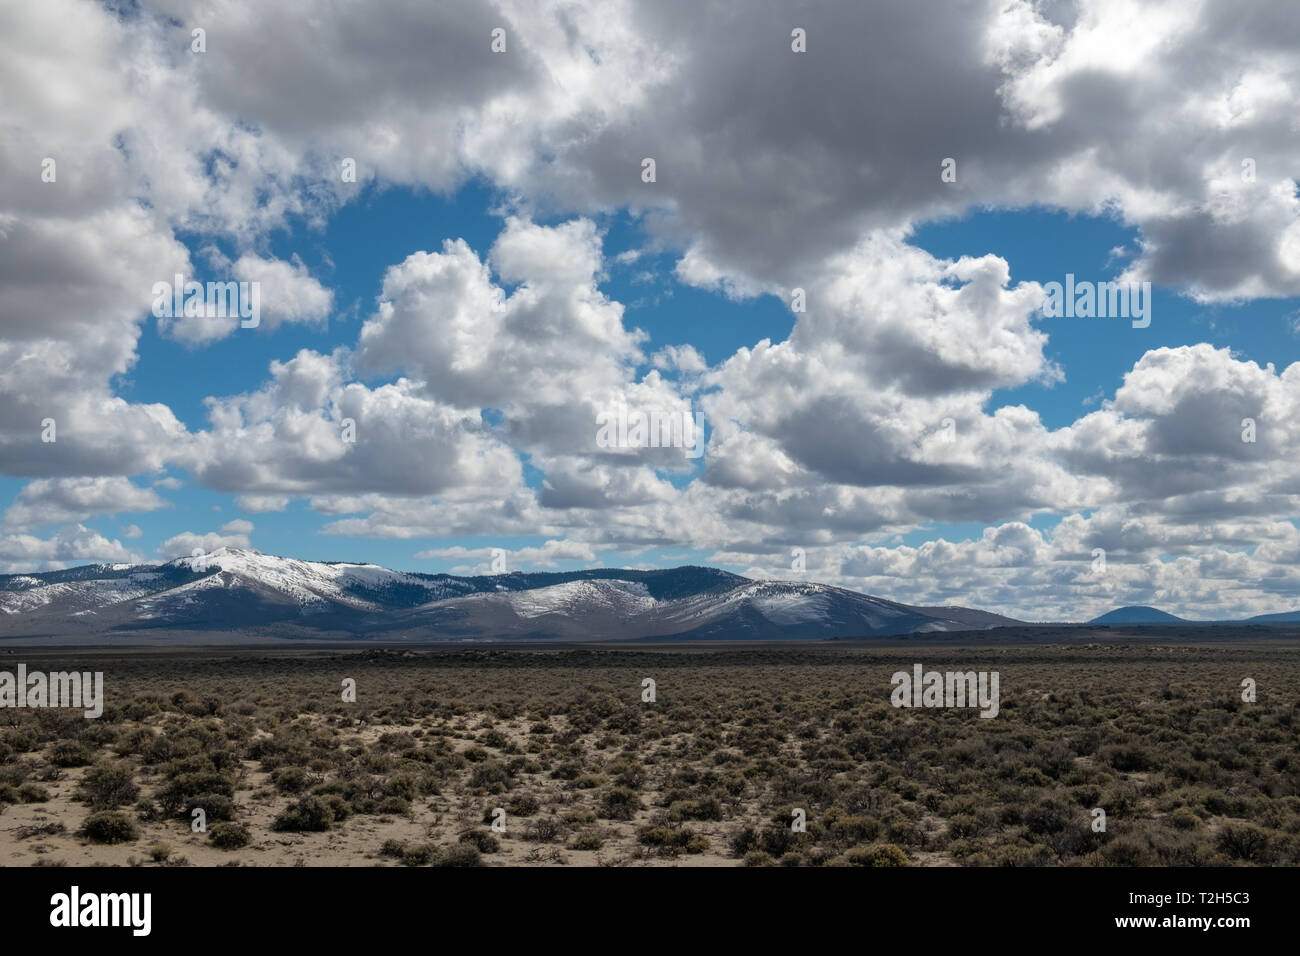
(245, 591)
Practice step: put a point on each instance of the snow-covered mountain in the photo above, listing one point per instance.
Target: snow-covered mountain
(243, 592)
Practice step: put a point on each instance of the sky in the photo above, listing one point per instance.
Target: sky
(840, 264)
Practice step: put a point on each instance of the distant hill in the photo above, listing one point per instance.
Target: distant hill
(1138, 614)
(1286, 617)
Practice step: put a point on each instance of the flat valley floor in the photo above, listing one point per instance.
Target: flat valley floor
(759, 755)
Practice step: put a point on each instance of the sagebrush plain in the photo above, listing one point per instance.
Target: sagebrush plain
(551, 756)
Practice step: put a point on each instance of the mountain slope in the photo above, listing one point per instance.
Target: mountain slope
(234, 590)
(1285, 617)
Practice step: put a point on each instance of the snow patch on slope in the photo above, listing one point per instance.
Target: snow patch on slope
(313, 584)
(623, 597)
(79, 594)
(792, 609)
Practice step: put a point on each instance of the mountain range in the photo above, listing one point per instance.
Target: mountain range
(238, 594)
(250, 593)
